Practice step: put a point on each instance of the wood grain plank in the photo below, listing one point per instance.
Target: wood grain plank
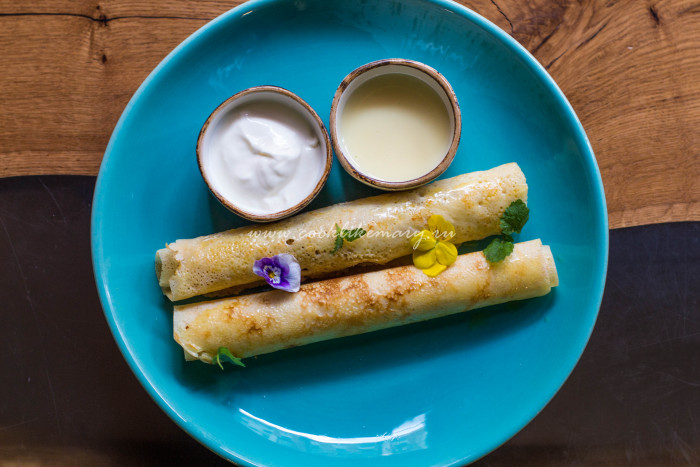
(630, 69)
(69, 69)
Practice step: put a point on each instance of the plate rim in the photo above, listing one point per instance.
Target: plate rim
(195, 431)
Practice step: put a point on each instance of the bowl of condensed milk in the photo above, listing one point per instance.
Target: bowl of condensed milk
(264, 153)
(395, 124)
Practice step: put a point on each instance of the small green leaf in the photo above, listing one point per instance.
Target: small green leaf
(223, 352)
(349, 235)
(498, 249)
(354, 234)
(338, 240)
(514, 217)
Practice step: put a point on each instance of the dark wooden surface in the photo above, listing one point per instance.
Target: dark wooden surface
(68, 398)
(629, 67)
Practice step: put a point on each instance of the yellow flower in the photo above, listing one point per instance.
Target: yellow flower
(432, 248)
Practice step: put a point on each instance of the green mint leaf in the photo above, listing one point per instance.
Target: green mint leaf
(498, 249)
(349, 235)
(354, 234)
(338, 239)
(514, 217)
(223, 352)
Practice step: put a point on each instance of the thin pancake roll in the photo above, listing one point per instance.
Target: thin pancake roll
(269, 321)
(472, 202)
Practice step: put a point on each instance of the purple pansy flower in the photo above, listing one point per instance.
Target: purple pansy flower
(281, 272)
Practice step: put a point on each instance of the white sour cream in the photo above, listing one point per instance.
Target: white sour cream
(264, 157)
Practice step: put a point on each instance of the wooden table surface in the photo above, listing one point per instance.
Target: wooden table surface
(630, 68)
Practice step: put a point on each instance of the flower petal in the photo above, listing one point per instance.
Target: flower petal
(286, 272)
(284, 260)
(423, 241)
(287, 286)
(424, 259)
(293, 277)
(446, 253)
(441, 228)
(259, 266)
(436, 269)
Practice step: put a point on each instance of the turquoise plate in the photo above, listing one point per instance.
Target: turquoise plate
(436, 393)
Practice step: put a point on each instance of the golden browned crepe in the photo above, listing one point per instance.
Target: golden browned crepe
(472, 202)
(269, 321)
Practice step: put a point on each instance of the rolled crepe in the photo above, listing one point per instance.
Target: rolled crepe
(269, 321)
(472, 202)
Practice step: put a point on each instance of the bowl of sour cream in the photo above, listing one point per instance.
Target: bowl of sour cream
(395, 124)
(264, 153)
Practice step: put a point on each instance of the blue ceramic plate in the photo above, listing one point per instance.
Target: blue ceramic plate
(441, 392)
